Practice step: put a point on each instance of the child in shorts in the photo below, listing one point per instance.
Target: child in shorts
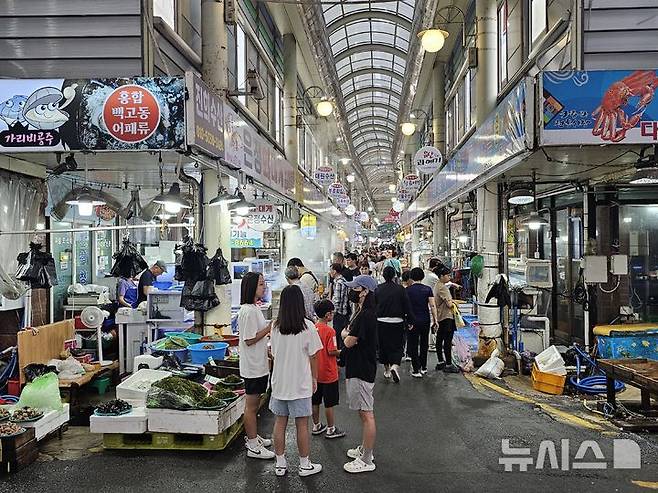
(327, 373)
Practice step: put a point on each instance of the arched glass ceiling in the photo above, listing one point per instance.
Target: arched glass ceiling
(370, 42)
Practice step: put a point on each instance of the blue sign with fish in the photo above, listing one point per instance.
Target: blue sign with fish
(121, 114)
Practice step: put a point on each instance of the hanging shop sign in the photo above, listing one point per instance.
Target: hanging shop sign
(204, 112)
(343, 201)
(262, 218)
(324, 175)
(411, 182)
(123, 114)
(308, 227)
(504, 138)
(393, 213)
(242, 236)
(599, 106)
(428, 160)
(255, 156)
(404, 195)
(336, 190)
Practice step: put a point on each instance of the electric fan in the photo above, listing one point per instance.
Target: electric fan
(92, 317)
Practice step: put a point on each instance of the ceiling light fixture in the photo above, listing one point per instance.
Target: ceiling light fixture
(521, 195)
(391, 188)
(85, 200)
(534, 221)
(324, 107)
(350, 178)
(242, 206)
(173, 201)
(408, 128)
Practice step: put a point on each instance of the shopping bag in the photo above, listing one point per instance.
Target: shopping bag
(459, 320)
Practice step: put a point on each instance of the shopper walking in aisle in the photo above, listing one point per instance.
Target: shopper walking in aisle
(254, 361)
(364, 268)
(424, 314)
(327, 373)
(393, 261)
(351, 262)
(306, 277)
(431, 278)
(446, 321)
(340, 301)
(393, 317)
(293, 278)
(295, 343)
(360, 356)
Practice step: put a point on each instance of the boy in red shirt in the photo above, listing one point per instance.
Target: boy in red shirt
(327, 359)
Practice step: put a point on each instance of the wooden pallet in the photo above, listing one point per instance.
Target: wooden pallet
(173, 441)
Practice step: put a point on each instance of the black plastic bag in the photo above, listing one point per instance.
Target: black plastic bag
(218, 269)
(128, 262)
(34, 370)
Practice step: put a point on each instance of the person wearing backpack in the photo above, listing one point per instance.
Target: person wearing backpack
(306, 277)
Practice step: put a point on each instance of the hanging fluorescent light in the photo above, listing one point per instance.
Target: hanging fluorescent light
(521, 196)
(398, 206)
(350, 178)
(370, 209)
(534, 221)
(433, 40)
(391, 188)
(242, 206)
(408, 128)
(85, 200)
(464, 237)
(287, 222)
(173, 201)
(350, 210)
(345, 160)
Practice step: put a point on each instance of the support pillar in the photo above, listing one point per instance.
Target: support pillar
(217, 234)
(415, 247)
(214, 40)
(486, 81)
(290, 136)
(439, 238)
(438, 107)
(487, 238)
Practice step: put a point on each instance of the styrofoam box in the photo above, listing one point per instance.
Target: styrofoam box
(195, 422)
(128, 390)
(50, 422)
(133, 423)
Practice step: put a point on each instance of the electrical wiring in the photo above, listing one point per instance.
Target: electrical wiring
(613, 289)
(591, 167)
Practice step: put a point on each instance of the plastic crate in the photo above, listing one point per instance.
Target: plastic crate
(547, 382)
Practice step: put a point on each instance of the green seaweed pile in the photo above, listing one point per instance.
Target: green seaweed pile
(233, 379)
(182, 387)
(211, 400)
(224, 394)
(173, 343)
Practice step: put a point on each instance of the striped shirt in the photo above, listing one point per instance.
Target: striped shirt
(340, 298)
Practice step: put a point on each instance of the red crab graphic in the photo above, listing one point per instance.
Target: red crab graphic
(612, 122)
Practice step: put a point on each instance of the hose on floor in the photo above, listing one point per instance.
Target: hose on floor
(594, 385)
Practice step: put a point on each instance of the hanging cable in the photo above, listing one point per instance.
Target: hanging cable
(613, 289)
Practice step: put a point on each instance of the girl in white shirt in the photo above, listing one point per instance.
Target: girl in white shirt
(254, 361)
(295, 342)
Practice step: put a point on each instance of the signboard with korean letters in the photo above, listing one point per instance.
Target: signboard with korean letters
(121, 114)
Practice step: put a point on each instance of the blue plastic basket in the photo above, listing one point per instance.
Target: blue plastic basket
(200, 356)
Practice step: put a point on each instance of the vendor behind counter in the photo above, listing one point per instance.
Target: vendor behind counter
(148, 278)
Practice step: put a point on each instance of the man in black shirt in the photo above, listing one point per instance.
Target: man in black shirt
(148, 277)
(352, 268)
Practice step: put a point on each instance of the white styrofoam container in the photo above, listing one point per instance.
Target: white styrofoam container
(128, 389)
(133, 423)
(197, 422)
(50, 422)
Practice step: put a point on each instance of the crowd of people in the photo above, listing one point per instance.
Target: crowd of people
(373, 312)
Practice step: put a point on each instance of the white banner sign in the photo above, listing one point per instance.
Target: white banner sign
(428, 160)
(262, 218)
(325, 175)
(335, 190)
(411, 182)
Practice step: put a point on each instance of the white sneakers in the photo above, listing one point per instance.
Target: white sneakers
(395, 373)
(259, 451)
(417, 375)
(310, 469)
(356, 453)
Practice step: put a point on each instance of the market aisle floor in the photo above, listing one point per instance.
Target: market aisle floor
(438, 434)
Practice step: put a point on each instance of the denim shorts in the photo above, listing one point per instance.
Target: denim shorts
(298, 408)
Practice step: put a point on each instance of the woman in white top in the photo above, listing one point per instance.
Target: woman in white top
(295, 342)
(254, 361)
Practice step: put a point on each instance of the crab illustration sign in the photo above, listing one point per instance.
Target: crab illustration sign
(45, 115)
(600, 107)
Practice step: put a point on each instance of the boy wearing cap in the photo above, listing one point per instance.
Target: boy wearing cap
(360, 356)
(327, 373)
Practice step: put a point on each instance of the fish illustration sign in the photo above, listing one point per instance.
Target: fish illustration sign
(45, 115)
(600, 107)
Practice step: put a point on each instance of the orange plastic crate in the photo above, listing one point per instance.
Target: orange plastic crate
(547, 382)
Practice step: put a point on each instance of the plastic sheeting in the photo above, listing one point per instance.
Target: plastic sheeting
(20, 209)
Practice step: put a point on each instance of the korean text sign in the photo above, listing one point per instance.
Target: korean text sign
(205, 117)
(123, 114)
(600, 107)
